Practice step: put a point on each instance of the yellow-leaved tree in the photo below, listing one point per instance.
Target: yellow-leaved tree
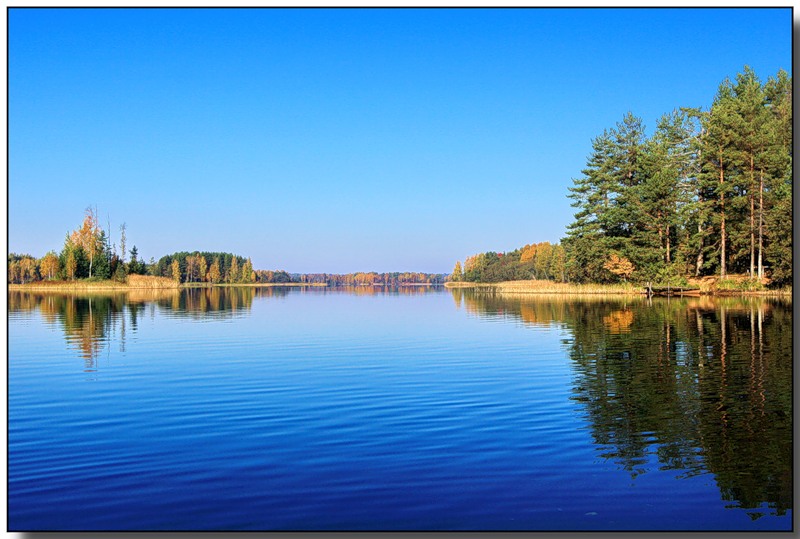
(458, 274)
(620, 266)
(176, 271)
(88, 236)
(214, 274)
(49, 265)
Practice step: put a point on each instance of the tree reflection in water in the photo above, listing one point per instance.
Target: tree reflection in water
(91, 321)
(703, 384)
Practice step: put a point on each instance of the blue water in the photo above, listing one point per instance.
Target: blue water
(334, 410)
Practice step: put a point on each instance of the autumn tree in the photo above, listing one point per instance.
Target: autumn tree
(214, 274)
(247, 275)
(71, 265)
(191, 268)
(49, 265)
(202, 268)
(457, 274)
(13, 271)
(87, 237)
(620, 266)
(29, 269)
(22, 268)
(233, 272)
(176, 271)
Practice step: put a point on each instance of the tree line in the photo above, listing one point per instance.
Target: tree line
(371, 278)
(89, 254)
(535, 261)
(708, 193)
(205, 267)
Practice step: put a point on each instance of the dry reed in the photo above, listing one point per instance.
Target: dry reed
(551, 287)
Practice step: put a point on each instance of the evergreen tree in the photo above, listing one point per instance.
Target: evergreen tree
(720, 160)
(591, 194)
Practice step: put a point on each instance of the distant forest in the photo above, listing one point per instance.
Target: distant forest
(89, 255)
(709, 193)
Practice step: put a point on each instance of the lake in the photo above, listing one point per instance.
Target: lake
(397, 409)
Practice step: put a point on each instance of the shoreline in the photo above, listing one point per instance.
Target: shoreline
(112, 286)
(547, 287)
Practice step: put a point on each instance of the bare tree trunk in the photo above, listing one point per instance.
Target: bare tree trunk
(668, 257)
(699, 263)
(722, 268)
(761, 225)
(752, 198)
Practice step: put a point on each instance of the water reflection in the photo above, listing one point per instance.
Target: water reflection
(699, 384)
(694, 385)
(90, 321)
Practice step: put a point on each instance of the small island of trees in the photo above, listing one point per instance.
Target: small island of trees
(88, 257)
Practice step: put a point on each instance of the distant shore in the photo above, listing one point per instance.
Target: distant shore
(164, 283)
(114, 286)
(550, 287)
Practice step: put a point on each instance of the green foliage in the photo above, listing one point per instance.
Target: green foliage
(536, 261)
(120, 275)
(136, 266)
(163, 268)
(709, 192)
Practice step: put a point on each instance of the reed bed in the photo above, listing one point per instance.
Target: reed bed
(68, 286)
(133, 282)
(550, 287)
(707, 286)
(150, 281)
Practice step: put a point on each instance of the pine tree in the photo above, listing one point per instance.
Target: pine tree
(775, 177)
(591, 194)
(720, 159)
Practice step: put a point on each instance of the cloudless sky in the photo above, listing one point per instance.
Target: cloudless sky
(341, 140)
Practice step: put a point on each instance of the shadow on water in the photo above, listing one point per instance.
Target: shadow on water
(701, 384)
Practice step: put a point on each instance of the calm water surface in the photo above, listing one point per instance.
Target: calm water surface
(411, 409)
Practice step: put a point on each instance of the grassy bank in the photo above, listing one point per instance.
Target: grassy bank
(709, 286)
(551, 287)
(133, 282)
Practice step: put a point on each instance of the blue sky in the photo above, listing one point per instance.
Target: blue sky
(345, 139)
